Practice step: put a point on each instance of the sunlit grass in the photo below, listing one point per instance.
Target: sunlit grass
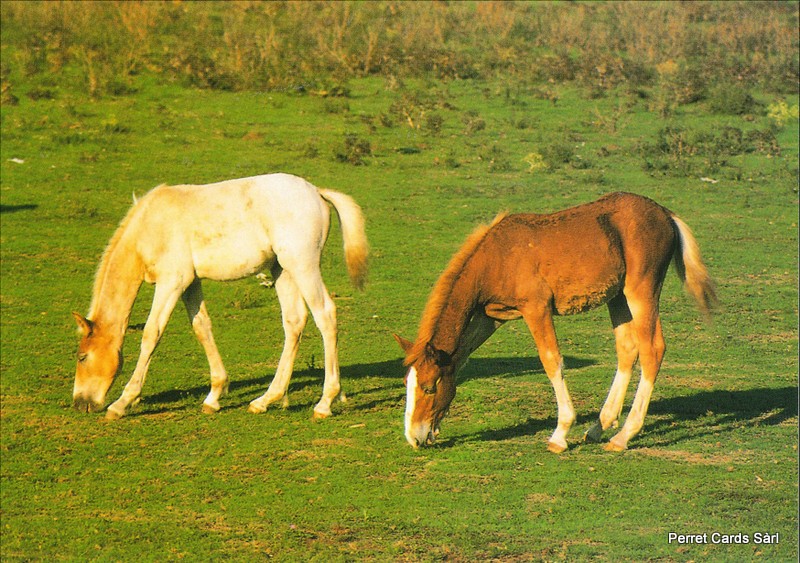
(718, 451)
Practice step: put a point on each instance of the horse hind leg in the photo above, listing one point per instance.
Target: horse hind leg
(627, 353)
(323, 309)
(650, 338)
(201, 324)
(294, 316)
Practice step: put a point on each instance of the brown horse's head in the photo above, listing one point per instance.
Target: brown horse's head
(99, 362)
(430, 387)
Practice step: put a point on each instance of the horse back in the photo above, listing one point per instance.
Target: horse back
(230, 229)
(581, 257)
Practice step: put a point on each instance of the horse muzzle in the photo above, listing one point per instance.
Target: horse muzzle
(82, 404)
(422, 435)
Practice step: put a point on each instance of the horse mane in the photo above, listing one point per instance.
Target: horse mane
(101, 275)
(443, 288)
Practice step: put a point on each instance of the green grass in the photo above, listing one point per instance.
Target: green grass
(718, 452)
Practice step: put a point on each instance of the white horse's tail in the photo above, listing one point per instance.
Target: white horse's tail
(355, 239)
(691, 269)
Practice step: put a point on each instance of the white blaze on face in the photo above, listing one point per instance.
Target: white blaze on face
(411, 399)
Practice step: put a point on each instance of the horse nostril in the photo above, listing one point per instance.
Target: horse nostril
(84, 405)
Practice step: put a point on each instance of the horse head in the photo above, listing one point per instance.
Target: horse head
(99, 362)
(430, 387)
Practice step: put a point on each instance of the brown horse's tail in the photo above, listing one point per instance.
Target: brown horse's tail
(691, 269)
(351, 220)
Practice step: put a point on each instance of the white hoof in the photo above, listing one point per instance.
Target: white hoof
(114, 415)
(321, 413)
(256, 408)
(616, 444)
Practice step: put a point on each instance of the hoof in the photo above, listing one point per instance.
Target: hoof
(613, 446)
(208, 409)
(113, 415)
(594, 434)
(255, 409)
(556, 448)
(321, 415)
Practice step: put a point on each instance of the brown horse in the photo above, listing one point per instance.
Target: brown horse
(615, 250)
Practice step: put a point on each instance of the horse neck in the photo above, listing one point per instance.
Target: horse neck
(460, 304)
(117, 283)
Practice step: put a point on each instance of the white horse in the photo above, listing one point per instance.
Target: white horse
(176, 235)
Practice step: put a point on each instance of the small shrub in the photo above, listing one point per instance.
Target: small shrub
(335, 91)
(37, 93)
(112, 126)
(310, 150)
(434, 123)
(451, 161)
(473, 122)
(353, 150)
(780, 113)
(731, 99)
(580, 163)
(687, 84)
(497, 157)
(385, 120)
(522, 123)
(335, 106)
(500, 164)
(70, 138)
(613, 120)
(252, 298)
(730, 141)
(764, 141)
(557, 154)
(413, 107)
(119, 87)
(535, 162)
(557, 68)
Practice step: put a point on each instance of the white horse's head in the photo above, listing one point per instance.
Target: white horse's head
(99, 362)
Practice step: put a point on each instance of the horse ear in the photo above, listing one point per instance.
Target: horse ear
(440, 357)
(404, 344)
(85, 326)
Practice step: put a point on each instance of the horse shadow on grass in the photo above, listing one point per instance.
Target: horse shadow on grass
(674, 419)
(389, 374)
(670, 420)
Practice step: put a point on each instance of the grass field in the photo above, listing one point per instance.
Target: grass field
(428, 160)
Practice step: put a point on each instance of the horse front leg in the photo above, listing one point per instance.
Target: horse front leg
(201, 324)
(540, 323)
(478, 331)
(164, 301)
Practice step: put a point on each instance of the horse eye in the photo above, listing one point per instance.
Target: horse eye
(82, 357)
(431, 389)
